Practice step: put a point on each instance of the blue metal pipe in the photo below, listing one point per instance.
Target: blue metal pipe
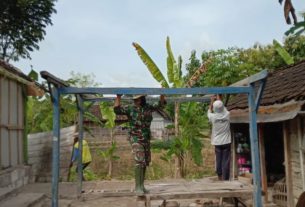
(156, 91)
(257, 192)
(260, 93)
(55, 147)
(80, 145)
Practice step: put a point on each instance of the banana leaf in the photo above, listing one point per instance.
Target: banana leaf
(170, 62)
(293, 30)
(108, 114)
(283, 53)
(152, 67)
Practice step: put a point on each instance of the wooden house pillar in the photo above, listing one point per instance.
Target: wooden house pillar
(263, 161)
(288, 168)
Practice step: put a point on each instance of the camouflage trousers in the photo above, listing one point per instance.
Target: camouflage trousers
(141, 153)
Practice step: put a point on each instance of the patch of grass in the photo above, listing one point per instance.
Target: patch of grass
(88, 174)
(154, 173)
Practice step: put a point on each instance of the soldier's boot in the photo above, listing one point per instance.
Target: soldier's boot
(143, 178)
(138, 180)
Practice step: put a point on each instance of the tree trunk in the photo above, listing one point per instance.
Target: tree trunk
(110, 158)
(178, 160)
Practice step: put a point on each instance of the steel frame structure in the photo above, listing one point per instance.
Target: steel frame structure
(58, 87)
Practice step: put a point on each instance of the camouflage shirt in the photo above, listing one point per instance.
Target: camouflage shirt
(139, 121)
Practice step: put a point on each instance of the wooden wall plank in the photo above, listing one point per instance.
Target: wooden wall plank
(4, 136)
(20, 122)
(13, 121)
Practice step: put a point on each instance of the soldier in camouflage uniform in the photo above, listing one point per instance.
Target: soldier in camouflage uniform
(140, 117)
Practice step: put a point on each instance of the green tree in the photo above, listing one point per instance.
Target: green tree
(39, 110)
(295, 46)
(226, 66)
(82, 80)
(22, 26)
(222, 69)
(191, 68)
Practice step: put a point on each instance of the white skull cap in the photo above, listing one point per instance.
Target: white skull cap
(218, 106)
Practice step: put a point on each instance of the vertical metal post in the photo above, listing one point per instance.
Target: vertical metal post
(80, 144)
(257, 193)
(55, 147)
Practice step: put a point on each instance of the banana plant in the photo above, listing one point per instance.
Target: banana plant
(182, 143)
(108, 114)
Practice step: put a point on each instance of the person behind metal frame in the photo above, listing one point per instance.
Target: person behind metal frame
(221, 136)
(139, 117)
(86, 155)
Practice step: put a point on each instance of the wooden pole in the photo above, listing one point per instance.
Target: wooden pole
(301, 153)
(178, 159)
(263, 161)
(233, 156)
(288, 171)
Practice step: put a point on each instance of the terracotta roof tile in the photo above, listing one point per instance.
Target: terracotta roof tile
(283, 85)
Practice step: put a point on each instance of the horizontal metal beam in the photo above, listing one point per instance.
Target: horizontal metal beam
(151, 99)
(155, 91)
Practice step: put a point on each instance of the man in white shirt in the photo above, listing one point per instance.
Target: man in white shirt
(219, 116)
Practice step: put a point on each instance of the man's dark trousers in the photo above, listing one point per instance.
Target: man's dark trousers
(223, 157)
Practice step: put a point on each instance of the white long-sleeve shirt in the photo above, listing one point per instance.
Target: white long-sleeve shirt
(221, 133)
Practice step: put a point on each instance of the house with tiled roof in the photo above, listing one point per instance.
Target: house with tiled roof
(281, 130)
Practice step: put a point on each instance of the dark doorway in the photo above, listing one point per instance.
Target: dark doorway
(274, 152)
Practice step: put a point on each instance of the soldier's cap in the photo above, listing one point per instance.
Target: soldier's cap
(137, 96)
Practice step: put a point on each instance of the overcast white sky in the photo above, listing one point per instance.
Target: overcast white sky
(95, 36)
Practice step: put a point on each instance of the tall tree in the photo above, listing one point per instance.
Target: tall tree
(22, 26)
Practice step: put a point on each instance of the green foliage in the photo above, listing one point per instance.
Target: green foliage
(283, 53)
(108, 114)
(40, 113)
(34, 75)
(191, 124)
(155, 172)
(22, 26)
(226, 66)
(191, 67)
(222, 69)
(88, 174)
(150, 64)
(161, 144)
(82, 80)
(174, 71)
(295, 46)
(171, 62)
(108, 154)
